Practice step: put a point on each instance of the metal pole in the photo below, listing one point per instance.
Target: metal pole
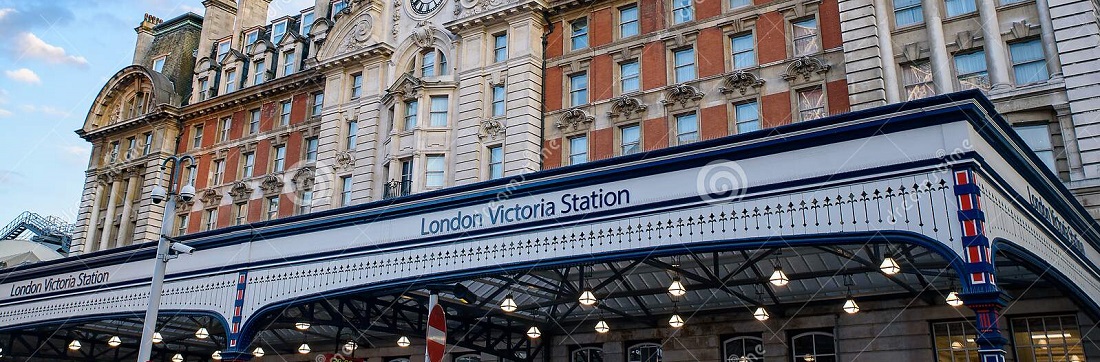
(145, 349)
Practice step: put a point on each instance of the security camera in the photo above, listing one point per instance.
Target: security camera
(182, 248)
(158, 194)
(187, 193)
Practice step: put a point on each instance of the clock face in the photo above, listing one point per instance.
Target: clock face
(424, 7)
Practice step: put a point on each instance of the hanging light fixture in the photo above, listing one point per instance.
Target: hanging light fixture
(677, 288)
(350, 347)
(403, 342)
(534, 332)
(850, 305)
(953, 299)
(177, 358)
(114, 341)
(779, 278)
(761, 314)
(509, 304)
(889, 266)
(587, 298)
(217, 356)
(202, 333)
(304, 349)
(809, 358)
(258, 352)
(74, 345)
(676, 321)
(157, 338)
(602, 327)
(301, 326)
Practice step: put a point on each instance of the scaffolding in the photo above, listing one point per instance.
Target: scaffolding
(50, 231)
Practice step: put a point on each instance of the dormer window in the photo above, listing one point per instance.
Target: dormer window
(289, 63)
(258, 77)
(223, 48)
(278, 31)
(433, 63)
(306, 23)
(337, 6)
(230, 80)
(158, 64)
(251, 37)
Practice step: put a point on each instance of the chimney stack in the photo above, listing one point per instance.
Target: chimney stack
(250, 13)
(217, 23)
(144, 39)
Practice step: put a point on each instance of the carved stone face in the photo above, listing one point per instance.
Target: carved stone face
(424, 7)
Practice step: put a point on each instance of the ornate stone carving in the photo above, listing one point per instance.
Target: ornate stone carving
(240, 192)
(682, 94)
(358, 36)
(184, 206)
(422, 35)
(396, 19)
(491, 128)
(741, 81)
(210, 197)
(626, 106)
(574, 118)
(964, 40)
(475, 7)
(406, 87)
(271, 185)
(345, 160)
(303, 179)
(805, 67)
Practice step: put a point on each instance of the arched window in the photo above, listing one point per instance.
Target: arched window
(433, 63)
(644, 352)
(588, 354)
(468, 358)
(813, 347)
(743, 349)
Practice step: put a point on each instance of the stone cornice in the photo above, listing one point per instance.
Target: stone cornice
(161, 112)
(282, 85)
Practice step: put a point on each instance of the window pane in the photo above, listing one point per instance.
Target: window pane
(410, 114)
(748, 117)
(1028, 62)
(578, 89)
(743, 54)
(811, 104)
(687, 128)
(971, 70)
(739, 3)
(918, 80)
(578, 150)
(685, 65)
(434, 174)
(907, 12)
(498, 101)
(629, 73)
(631, 139)
(959, 7)
(439, 111)
(805, 37)
(580, 34)
(628, 21)
(496, 162)
(682, 11)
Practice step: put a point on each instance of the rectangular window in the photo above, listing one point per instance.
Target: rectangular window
(907, 12)
(960, 7)
(631, 137)
(345, 191)
(272, 207)
(579, 37)
(682, 11)
(196, 139)
(578, 89)
(227, 122)
(249, 164)
(258, 76)
(356, 85)
(230, 80)
(290, 62)
(811, 104)
(427, 64)
(204, 89)
(223, 48)
(628, 21)
(306, 203)
(211, 219)
(500, 47)
(181, 223)
(744, 51)
(578, 150)
(498, 101)
(739, 3)
(1028, 62)
(433, 176)
(805, 37)
(971, 70)
(630, 74)
(251, 37)
(1037, 137)
(148, 145)
(410, 114)
(284, 114)
(687, 128)
(955, 341)
(438, 113)
(917, 78)
(131, 147)
(306, 23)
(218, 172)
(311, 149)
(242, 214)
(684, 64)
(496, 162)
(338, 6)
(253, 121)
(279, 163)
(748, 117)
(158, 64)
(277, 31)
(1048, 338)
(318, 103)
(353, 135)
(114, 151)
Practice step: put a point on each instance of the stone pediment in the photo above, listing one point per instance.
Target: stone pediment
(260, 47)
(233, 56)
(626, 106)
(574, 119)
(805, 67)
(290, 39)
(407, 86)
(681, 94)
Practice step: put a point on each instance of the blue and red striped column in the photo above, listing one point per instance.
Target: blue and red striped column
(981, 294)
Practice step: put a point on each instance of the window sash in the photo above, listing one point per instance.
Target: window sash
(971, 68)
(219, 171)
(435, 172)
(1037, 138)
(196, 140)
(629, 73)
(410, 114)
(748, 117)
(306, 204)
(917, 78)
(682, 11)
(353, 134)
(739, 3)
(318, 103)
(811, 104)
(960, 7)
(631, 139)
(500, 47)
(578, 89)
(687, 128)
(288, 63)
(311, 149)
(496, 162)
(907, 12)
(258, 76)
(272, 207)
(744, 53)
(280, 159)
(498, 101)
(578, 150)
(242, 214)
(148, 146)
(345, 191)
(427, 64)
(685, 65)
(356, 85)
(307, 23)
(628, 21)
(579, 36)
(249, 164)
(226, 124)
(230, 81)
(1028, 62)
(805, 37)
(253, 121)
(284, 115)
(438, 113)
(211, 219)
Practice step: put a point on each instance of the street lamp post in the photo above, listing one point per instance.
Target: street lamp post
(165, 247)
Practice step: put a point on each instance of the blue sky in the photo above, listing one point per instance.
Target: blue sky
(55, 55)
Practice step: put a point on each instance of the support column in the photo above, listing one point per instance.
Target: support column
(886, 55)
(987, 306)
(93, 219)
(1050, 45)
(105, 238)
(995, 50)
(125, 233)
(937, 46)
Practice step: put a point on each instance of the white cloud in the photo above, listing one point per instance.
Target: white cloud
(23, 75)
(5, 113)
(31, 46)
(45, 110)
(5, 11)
(76, 151)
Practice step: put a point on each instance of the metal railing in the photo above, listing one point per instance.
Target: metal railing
(50, 230)
(397, 188)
